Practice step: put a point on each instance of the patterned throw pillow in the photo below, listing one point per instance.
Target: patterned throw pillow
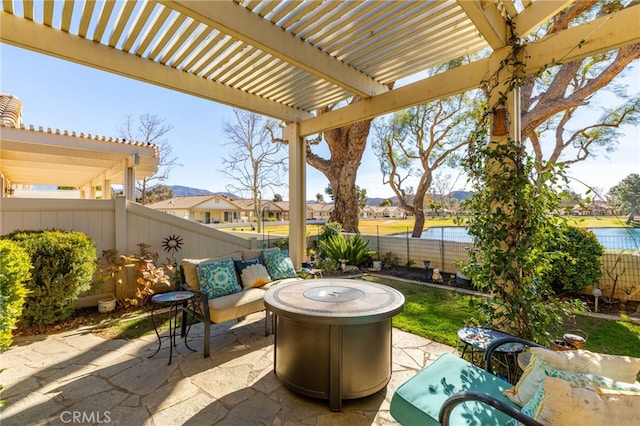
(593, 381)
(558, 402)
(620, 368)
(252, 272)
(218, 278)
(279, 265)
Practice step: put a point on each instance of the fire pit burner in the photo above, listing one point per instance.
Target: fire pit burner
(333, 294)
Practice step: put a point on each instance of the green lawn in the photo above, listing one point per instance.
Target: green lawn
(438, 314)
(384, 227)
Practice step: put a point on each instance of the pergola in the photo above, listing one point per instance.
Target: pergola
(287, 59)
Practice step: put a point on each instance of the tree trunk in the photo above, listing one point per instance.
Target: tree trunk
(346, 145)
(632, 214)
(418, 204)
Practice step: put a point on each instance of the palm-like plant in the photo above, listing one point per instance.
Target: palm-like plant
(355, 249)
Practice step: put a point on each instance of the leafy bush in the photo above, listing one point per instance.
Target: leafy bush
(390, 259)
(14, 272)
(148, 275)
(282, 243)
(63, 267)
(330, 229)
(578, 262)
(326, 264)
(355, 249)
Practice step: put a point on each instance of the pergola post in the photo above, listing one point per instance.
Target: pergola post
(504, 102)
(297, 193)
(129, 186)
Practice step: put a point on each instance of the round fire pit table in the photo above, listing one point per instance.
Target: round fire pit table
(333, 336)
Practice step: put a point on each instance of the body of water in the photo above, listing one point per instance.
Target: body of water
(610, 238)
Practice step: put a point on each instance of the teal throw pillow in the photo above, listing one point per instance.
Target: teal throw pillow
(218, 278)
(279, 265)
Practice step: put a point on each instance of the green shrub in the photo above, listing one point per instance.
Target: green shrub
(326, 264)
(390, 259)
(150, 275)
(63, 267)
(15, 268)
(577, 261)
(282, 243)
(330, 229)
(355, 249)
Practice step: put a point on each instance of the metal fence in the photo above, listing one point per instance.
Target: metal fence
(620, 264)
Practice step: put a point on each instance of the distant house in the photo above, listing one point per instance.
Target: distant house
(374, 212)
(201, 208)
(597, 208)
(319, 211)
(270, 210)
(218, 209)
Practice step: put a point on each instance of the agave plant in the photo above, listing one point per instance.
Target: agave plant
(355, 249)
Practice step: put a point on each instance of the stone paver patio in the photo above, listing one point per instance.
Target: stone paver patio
(78, 378)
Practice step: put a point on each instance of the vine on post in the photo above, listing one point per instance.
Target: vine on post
(514, 219)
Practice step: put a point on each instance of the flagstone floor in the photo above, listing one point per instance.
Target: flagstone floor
(78, 378)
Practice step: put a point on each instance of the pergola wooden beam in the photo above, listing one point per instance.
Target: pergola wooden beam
(602, 34)
(29, 35)
(240, 23)
(488, 20)
(537, 13)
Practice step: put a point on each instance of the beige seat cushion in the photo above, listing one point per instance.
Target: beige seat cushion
(252, 254)
(232, 306)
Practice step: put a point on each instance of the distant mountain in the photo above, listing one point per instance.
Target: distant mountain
(375, 201)
(461, 195)
(185, 191)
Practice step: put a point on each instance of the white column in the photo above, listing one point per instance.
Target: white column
(297, 193)
(106, 189)
(129, 186)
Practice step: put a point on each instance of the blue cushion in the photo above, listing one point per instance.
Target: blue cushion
(419, 399)
(218, 278)
(279, 265)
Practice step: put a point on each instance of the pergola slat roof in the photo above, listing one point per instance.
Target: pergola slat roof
(283, 59)
(301, 55)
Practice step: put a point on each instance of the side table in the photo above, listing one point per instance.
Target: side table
(175, 300)
(476, 340)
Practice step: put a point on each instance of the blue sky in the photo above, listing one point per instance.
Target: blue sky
(66, 96)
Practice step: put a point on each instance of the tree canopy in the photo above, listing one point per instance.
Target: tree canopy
(256, 164)
(626, 196)
(151, 129)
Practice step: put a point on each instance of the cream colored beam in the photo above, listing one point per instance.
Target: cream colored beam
(237, 21)
(454, 81)
(18, 139)
(297, 193)
(536, 14)
(488, 20)
(597, 36)
(26, 34)
(600, 35)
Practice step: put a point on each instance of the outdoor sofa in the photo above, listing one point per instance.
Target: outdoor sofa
(232, 286)
(566, 388)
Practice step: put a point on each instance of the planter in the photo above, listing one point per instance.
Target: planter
(106, 305)
(377, 265)
(462, 278)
